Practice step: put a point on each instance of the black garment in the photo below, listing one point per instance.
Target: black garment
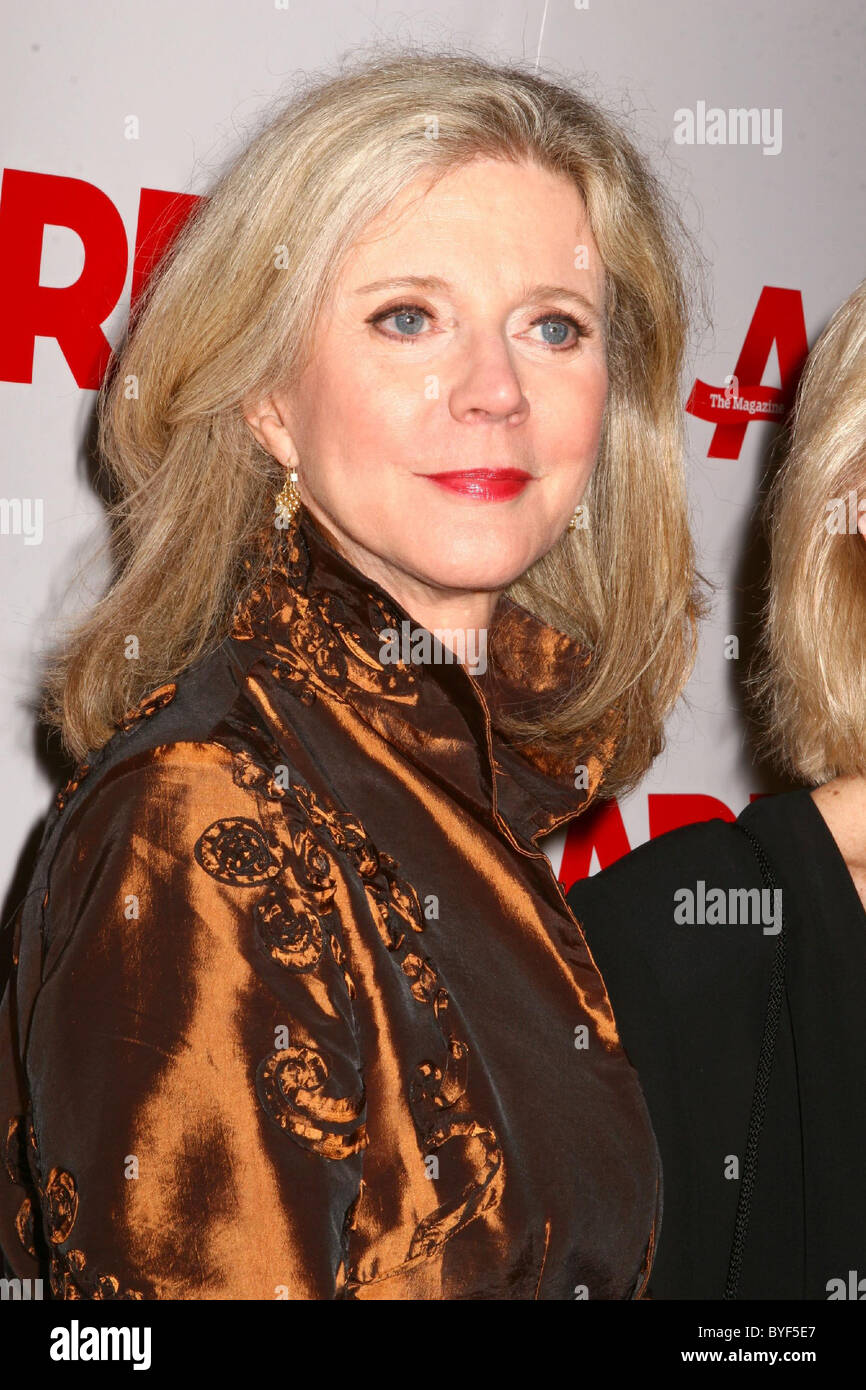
(691, 1003)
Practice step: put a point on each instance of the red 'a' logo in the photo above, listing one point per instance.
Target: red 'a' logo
(778, 318)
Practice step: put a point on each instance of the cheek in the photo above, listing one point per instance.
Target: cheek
(362, 414)
(335, 417)
(575, 415)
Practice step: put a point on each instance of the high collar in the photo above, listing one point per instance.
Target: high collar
(322, 619)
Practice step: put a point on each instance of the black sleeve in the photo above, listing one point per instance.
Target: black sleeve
(690, 1000)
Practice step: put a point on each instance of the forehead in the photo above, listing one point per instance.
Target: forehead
(515, 220)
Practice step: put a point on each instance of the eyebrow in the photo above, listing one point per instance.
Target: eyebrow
(433, 282)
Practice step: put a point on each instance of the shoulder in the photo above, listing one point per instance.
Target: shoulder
(153, 819)
(174, 806)
(788, 825)
(191, 786)
(211, 849)
(201, 726)
(655, 869)
(717, 848)
(166, 790)
(647, 924)
(130, 773)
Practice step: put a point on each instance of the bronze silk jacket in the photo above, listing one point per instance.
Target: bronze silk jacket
(298, 1008)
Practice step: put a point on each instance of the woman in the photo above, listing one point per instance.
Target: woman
(299, 1010)
(735, 954)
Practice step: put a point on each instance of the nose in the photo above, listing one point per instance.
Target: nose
(487, 386)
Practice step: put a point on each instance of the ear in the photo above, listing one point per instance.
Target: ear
(269, 421)
(861, 523)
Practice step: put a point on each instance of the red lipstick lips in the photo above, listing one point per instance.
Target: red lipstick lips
(487, 484)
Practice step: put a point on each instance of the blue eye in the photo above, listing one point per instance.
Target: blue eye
(409, 320)
(555, 329)
(554, 333)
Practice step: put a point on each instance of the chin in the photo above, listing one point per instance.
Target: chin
(493, 557)
(476, 573)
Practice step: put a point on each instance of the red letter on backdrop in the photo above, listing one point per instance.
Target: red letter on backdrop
(160, 217)
(602, 829)
(71, 314)
(670, 810)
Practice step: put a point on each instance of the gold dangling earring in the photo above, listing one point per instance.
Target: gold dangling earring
(288, 498)
(573, 522)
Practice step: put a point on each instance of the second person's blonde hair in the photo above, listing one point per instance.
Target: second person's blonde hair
(809, 681)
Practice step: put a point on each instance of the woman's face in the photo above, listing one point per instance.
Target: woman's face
(465, 333)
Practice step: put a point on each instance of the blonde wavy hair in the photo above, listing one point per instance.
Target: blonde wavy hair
(220, 323)
(809, 679)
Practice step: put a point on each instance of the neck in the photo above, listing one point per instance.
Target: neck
(466, 614)
(842, 803)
